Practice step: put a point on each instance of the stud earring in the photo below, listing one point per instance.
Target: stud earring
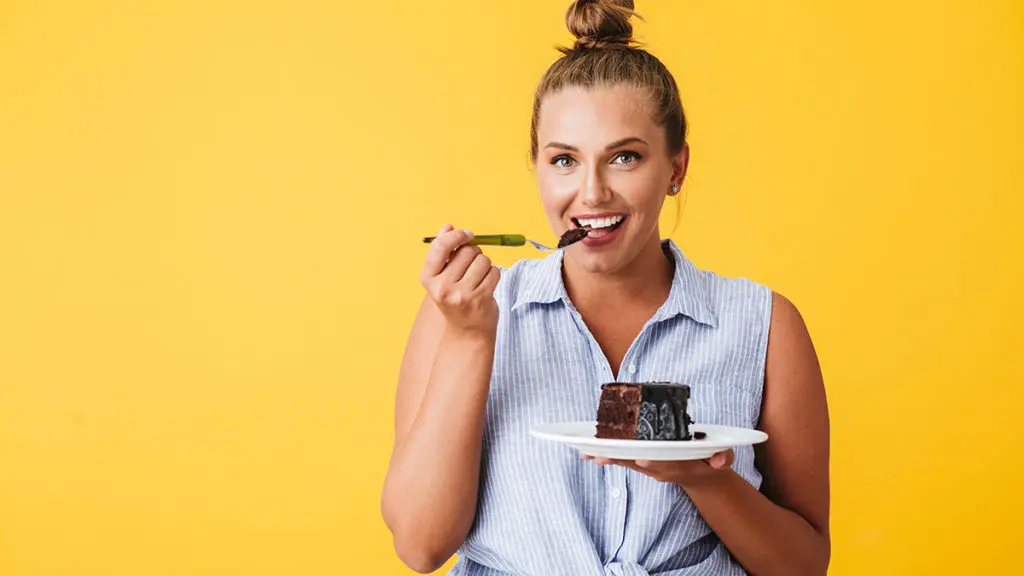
(673, 190)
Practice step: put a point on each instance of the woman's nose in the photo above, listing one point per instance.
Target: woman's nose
(593, 191)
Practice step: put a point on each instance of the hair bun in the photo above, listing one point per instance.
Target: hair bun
(600, 23)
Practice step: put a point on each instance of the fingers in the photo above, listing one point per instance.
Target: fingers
(452, 273)
(490, 282)
(633, 465)
(453, 261)
(722, 460)
(718, 461)
(477, 271)
(601, 461)
(685, 473)
(662, 464)
(441, 248)
(670, 466)
(458, 264)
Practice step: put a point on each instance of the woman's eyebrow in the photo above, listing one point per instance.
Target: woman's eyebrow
(562, 146)
(612, 146)
(624, 141)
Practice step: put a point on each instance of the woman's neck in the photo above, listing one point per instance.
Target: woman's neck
(647, 280)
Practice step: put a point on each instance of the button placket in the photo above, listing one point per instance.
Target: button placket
(617, 506)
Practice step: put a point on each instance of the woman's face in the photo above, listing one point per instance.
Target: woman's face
(603, 161)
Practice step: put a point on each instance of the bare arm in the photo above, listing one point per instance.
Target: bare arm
(784, 528)
(430, 493)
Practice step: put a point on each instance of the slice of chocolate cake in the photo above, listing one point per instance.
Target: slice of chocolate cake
(647, 411)
(573, 235)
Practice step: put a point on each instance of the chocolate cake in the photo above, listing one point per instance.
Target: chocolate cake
(646, 411)
(573, 235)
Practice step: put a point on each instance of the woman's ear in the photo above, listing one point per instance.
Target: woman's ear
(680, 163)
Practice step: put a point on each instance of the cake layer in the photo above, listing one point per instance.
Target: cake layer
(644, 411)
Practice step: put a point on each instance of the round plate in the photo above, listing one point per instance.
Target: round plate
(580, 435)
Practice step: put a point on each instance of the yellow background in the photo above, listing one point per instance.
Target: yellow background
(210, 231)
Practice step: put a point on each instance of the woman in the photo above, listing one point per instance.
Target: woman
(492, 353)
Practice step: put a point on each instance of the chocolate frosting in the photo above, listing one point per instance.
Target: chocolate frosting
(572, 236)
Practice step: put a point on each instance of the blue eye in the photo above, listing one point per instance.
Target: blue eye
(563, 161)
(626, 158)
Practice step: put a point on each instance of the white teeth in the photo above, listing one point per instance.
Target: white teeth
(600, 222)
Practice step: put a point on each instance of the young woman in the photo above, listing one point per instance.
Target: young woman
(493, 352)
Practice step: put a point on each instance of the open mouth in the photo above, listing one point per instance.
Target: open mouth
(600, 226)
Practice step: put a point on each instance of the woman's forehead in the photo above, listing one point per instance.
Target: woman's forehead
(596, 114)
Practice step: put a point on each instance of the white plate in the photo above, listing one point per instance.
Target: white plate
(580, 435)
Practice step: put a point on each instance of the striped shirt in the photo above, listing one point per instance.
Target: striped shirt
(544, 512)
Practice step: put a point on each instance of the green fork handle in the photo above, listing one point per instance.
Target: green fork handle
(491, 240)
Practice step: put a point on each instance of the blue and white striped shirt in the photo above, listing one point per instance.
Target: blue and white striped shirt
(544, 512)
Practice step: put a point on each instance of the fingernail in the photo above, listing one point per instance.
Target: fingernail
(468, 234)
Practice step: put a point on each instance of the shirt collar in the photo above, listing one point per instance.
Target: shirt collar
(687, 296)
(544, 285)
(689, 293)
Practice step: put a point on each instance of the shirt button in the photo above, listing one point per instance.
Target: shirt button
(632, 368)
(616, 493)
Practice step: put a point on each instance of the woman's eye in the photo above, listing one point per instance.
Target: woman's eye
(563, 161)
(626, 158)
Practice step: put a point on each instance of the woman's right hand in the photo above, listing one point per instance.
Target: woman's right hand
(461, 280)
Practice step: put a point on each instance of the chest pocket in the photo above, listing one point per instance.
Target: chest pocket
(722, 404)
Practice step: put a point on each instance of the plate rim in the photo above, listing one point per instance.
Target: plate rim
(537, 431)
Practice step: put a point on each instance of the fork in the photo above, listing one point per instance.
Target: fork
(501, 240)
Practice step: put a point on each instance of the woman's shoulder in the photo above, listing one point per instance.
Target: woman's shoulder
(725, 290)
(734, 299)
(741, 300)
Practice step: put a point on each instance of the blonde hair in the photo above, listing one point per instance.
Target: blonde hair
(605, 54)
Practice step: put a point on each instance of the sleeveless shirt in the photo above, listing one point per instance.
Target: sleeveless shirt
(542, 511)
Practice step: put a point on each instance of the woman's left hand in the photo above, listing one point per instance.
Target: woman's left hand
(685, 473)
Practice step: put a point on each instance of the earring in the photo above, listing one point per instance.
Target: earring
(673, 190)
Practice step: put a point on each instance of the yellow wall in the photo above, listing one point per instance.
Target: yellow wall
(209, 246)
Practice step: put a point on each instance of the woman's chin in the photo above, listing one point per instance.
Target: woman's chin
(601, 261)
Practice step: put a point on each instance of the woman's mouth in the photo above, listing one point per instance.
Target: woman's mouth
(602, 228)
